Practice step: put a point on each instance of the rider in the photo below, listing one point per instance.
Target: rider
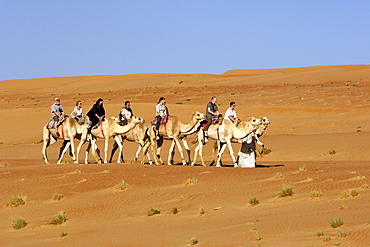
(77, 112)
(57, 113)
(125, 113)
(211, 110)
(96, 113)
(161, 112)
(231, 113)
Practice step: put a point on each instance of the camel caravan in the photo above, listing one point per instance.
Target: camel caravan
(209, 127)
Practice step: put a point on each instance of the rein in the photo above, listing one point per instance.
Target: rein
(101, 128)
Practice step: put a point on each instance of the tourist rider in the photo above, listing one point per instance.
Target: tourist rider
(57, 113)
(211, 111)
(126, 113)
(96, 113)
(231, 113)
(77, 112)
(161, 112)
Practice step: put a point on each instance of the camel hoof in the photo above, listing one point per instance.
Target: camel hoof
(151, 162)
(105, 162)
(218, 165)
(58, 163)
(118, 161)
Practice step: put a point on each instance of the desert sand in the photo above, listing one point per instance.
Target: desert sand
(318, 137)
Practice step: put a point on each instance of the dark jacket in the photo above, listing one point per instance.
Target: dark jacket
(96, 109)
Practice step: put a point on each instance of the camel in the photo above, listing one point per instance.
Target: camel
(175, 130)
(139, 134)
(224, 133)
(68, 130)
(110, 128)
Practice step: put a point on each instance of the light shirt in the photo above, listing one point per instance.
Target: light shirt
(126, 113)
(230, 112)
(160, 110)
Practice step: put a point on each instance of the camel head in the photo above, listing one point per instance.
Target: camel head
(263, 126)
(137, 120)
(254, 121)
(199, 116)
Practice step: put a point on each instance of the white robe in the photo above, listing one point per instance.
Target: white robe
(246, 154)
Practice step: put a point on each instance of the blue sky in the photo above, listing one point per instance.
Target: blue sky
(52, 38)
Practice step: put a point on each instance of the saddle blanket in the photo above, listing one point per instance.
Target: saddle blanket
(163, 120)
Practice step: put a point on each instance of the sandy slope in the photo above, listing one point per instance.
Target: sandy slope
(313, 110)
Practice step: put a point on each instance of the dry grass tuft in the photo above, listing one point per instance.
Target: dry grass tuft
(16, 201)
(253, 201)
(57, 197)
(336, 222)
(286, 191)
(19, 223)
(193, 241)
(174, 210)
(59, 219)
(315, 193)
(153, 211)
(278, 175)
(191, 181)
(202, 211)
(122, 185)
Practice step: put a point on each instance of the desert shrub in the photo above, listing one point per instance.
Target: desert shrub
(193, 241)
(278, 175)
(122, 185)
(59, 219)
(365, 186)
(64, 234)
(341, 234)
(336, 222)
(286, 191)
(57, 197)
(191, 181)
(19, 223)
(153, 211)
(16, 201)
(202, 211)
(258, 236)
(332, 152)
(320, 233)
(315, 193)
(3, 163)
(253, 200)
(326, 239)
(345, 194)
(353, 192)
(174, 210)
(302, 168)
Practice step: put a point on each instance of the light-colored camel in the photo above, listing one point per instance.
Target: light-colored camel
(224, 133)
(68, 131)
(139, 134)
(175, 130)
(110, 128)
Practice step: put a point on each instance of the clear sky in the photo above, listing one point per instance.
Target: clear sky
(49, 38)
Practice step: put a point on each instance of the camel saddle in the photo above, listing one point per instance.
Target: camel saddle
(163, 120)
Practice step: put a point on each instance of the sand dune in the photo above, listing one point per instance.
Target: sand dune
(313, 111)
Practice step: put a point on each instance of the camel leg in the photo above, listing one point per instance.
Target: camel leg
(177, 141)
(185, 143)
(228, 142)
(45, 144)
(119, 143)
(63, 150)
(106, 140)
(171, 153)
(159, 146)
(222, 149)
(115, 147)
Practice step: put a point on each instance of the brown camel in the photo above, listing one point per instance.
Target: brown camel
(224, 133)
(139, 134)
(110, 128)
(175, 130)
(68, 130)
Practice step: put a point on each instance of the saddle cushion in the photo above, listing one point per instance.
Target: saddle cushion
(163, 120)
